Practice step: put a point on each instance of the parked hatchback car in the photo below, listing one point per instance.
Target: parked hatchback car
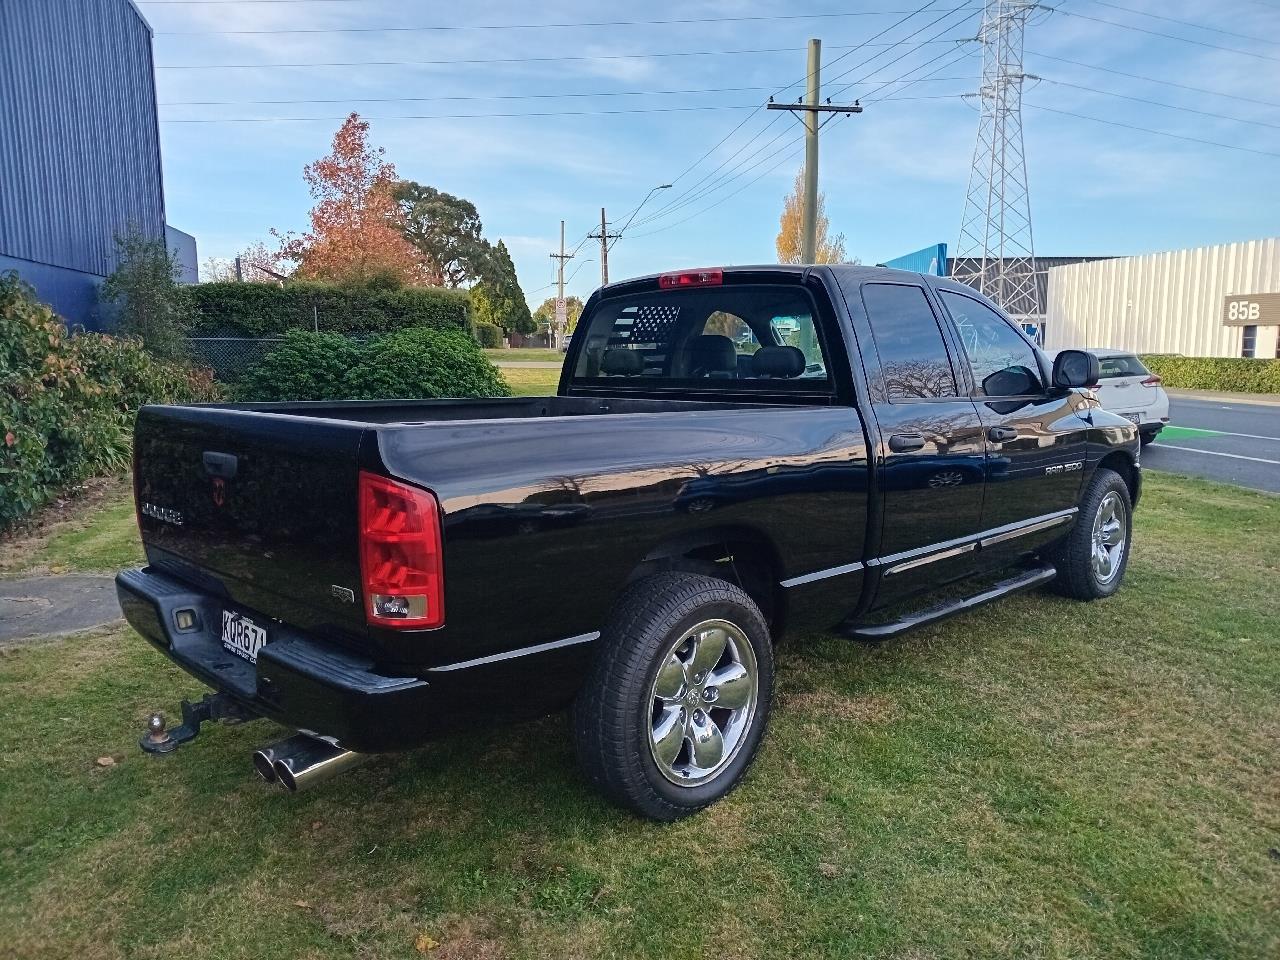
(1126, 387)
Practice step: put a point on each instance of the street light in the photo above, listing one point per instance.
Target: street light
(661, 186)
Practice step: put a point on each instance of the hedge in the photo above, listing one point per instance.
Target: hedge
(488, 335)
(407, 364)
(1237, 374)
(67, 403)
(263, 309)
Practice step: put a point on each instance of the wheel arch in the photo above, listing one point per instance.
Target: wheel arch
(1123, 463)
(740, 555)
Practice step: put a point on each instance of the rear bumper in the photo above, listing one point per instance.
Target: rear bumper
(298, 680)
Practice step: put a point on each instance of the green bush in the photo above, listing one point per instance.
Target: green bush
(1240, 374)
(424, 363)
(488, 336)
(67, 403)
(306, 366)
(263, 309)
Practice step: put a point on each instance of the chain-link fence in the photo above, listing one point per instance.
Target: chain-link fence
(230, 358)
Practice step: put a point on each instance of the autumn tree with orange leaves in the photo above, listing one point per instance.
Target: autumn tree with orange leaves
(789, 242)
(356, 235)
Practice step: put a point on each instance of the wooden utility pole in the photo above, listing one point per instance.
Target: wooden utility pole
(561, 313)
(809, 108)
(604, 236)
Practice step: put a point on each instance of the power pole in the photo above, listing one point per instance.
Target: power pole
(560, 304)
(604, 236)
(809, 108)
(996, 253)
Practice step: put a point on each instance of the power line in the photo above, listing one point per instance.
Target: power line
(691, 194)
(1167, 36)
(677, 21)
(1156, 103)
(933, 39)
(466, 116)
(567, 58)
(1184, 23)
(518, 96)
(1167, 83)
(1158, 133)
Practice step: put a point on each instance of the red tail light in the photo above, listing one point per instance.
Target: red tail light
(693, 278)
(400, 554)
(1152, 381)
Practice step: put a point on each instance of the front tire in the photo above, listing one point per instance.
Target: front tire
(677, 700)
(1093, 558)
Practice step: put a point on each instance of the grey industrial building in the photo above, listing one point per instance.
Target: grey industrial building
(79, 146)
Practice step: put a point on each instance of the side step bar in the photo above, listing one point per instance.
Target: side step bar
(1026, 580)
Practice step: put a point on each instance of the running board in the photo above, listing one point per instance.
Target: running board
(1027, 580)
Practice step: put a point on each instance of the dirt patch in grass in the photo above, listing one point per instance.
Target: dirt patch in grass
(833, 705)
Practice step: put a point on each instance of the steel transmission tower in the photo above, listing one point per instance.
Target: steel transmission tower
(995, 254)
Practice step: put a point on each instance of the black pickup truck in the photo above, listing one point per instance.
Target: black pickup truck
(733, 456)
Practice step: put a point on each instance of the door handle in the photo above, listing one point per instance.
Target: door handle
(906, 442)
(1002, 434)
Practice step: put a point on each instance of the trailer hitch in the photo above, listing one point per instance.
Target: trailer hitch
(159, 740)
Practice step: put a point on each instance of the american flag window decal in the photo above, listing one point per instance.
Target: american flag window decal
(645, 324)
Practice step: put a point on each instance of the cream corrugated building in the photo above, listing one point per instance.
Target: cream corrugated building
(1174, 302)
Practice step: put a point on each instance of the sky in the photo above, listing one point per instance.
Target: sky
(894, 176)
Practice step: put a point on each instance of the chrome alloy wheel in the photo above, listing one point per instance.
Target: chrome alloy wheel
(703, 702)
(1110, 531)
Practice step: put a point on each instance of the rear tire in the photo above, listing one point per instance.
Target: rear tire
(1092, 560)
(677, 699)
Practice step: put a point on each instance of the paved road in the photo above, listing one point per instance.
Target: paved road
(1219, 440)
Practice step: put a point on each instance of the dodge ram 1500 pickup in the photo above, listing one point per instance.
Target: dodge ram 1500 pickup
(733, 456)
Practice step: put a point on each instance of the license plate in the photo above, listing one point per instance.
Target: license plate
(1134, 418)
(242, 636)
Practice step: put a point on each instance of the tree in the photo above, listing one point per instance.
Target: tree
(445, 230)
(145, 290)
(545, 315)
(356, 233)
(789, 244)
(498, 299)
(258, 264)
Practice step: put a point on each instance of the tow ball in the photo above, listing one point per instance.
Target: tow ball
(159, 739)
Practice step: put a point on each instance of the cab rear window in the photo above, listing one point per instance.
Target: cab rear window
(724, 337)
(1127, 366)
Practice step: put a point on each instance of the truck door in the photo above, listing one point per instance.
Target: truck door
(1035, 438)
(931, 453)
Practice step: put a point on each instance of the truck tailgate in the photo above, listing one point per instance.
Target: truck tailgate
(259, 506)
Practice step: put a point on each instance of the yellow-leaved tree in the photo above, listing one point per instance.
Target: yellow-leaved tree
(828, 249)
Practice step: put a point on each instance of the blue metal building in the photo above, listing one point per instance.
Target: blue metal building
(79, 144)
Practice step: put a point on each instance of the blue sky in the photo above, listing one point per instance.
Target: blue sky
(894, 177)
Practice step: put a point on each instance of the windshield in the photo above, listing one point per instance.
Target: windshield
(735, 337)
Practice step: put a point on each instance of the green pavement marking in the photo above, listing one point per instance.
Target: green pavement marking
(1186, 433)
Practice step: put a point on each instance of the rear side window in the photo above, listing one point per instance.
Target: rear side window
(728, 337)
(913, 358)
(1113, 367)
(1004, 364)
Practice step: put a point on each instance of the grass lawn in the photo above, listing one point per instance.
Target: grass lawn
(531, 383)
(525, 353)
(94, 531)
(1039, 778)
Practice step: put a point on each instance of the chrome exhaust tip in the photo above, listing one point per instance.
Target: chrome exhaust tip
(303, 761)
(262, 763)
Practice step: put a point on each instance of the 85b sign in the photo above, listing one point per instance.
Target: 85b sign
(1251, 309)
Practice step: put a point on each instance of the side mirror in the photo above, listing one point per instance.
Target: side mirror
(1075, 368)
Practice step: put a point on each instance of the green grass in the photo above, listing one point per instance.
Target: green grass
(1040, 778)
(103, 538)
(531, 383)
(525, 353)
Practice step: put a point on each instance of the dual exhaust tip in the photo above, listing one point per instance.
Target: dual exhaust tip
(302, 761)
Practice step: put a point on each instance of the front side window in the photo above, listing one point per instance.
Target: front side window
(913, 357)
(742, 336)
(1004, 364)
